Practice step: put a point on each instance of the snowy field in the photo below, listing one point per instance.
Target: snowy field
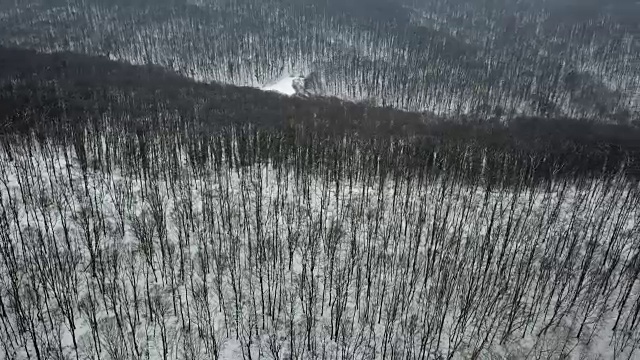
(273, 259)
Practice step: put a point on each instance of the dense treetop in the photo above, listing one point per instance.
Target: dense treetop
(54, 93)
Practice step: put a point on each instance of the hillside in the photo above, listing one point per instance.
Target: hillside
(55, 93)
(266, 244)
(145, 215)
(487, 58)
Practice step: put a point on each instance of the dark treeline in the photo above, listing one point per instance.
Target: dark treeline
(56, 93)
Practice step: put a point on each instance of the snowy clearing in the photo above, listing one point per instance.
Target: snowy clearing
(288, 85)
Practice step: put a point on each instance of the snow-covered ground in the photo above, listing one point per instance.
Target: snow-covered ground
(288, 85)
(189, 263)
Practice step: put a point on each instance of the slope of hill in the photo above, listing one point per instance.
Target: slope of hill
(144, 215)
(438, 56)
(446, 179)
(55, 93)
(247, 243)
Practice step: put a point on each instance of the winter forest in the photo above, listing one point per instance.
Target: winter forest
(492, 57)
(319, 179)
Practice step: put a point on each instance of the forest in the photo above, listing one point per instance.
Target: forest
(444, 186)
(501, 58)
(147, 216)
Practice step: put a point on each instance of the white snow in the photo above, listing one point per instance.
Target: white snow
(308, 210)
(285, 85)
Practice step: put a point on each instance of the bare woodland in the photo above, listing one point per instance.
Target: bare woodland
(446, 57)
(278, 245)
(452, 179)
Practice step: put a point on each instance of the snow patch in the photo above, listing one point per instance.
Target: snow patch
(288, 85)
